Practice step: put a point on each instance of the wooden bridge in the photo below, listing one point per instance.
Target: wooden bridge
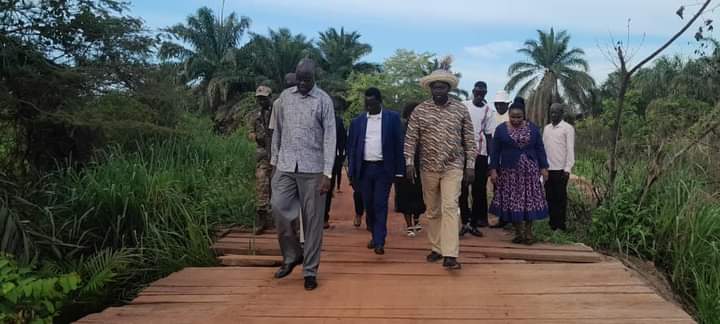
(500, 282)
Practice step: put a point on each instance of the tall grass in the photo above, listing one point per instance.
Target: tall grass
(678, 228)
(139, 213)
(688, 226)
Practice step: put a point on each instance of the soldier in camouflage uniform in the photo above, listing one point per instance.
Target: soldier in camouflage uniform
(262, 135)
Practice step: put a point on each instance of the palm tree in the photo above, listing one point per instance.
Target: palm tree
(341, 51)
(277, 54)
(210, 60)
(552, 70)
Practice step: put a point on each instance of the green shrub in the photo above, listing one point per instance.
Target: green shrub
(26, 297)
(671, 117)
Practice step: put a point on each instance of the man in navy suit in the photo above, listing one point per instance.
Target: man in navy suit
(375, 157)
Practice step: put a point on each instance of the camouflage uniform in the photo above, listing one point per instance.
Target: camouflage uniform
(263, 170)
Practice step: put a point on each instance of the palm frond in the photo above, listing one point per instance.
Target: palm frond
(517, 78)
(13, 238)
(528, 87)
(103, 268)
(522, 66)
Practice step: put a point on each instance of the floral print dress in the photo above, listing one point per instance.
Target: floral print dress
(519, 195)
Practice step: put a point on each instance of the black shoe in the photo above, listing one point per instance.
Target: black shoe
(475, 231)
(379, 250)
(310, 283)
(286, 269)
(451, 263)
(371, 245)
(433, 257)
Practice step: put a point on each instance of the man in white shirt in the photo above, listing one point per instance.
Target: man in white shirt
(501, 103)
(559, 139)
(375, 158)
(483, 120)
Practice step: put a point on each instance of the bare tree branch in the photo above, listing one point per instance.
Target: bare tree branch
(672, 39)
(625, 78)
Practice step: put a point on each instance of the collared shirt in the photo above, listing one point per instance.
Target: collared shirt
(560, 146)
(444, 135)
(373, 138)
(483, 120)
(304, 137)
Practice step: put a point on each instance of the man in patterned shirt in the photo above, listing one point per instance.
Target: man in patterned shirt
(303, 153)
(443, 131)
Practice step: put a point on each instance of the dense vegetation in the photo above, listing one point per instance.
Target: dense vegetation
(666, 204)
(122, 150)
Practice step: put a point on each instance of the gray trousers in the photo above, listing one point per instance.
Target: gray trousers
(290, 192)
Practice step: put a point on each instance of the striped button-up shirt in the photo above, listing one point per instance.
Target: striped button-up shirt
(304, 136)
(444, 135)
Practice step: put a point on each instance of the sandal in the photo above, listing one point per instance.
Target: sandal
(416, 226)
(410, 232)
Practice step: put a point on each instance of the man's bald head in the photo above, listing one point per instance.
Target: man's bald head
(557, 111)
(290, 80)
(305, 73)
(305, 65)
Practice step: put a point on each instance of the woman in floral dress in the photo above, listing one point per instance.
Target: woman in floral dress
(517, 162)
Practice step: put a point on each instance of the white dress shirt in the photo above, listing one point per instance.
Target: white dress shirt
(560, 146)
(373, 138)
(483, 120)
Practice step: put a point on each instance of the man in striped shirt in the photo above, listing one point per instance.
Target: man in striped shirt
(442, 132)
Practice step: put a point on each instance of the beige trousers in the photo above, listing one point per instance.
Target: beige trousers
(441, 192)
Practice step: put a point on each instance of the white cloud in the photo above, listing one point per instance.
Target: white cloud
(493, 50)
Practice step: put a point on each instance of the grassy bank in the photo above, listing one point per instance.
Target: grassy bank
(136, 213)
(677, 227)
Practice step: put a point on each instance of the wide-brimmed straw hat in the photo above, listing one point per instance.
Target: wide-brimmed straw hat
(440, 75)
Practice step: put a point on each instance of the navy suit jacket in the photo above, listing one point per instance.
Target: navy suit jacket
(392, 144)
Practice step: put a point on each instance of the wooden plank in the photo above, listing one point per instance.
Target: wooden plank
(449, 306)
(332, 257)
(400, 242)
(271, 248)
(251, 260)
(499, 283)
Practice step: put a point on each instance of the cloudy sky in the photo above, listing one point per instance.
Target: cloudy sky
(482, 36)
